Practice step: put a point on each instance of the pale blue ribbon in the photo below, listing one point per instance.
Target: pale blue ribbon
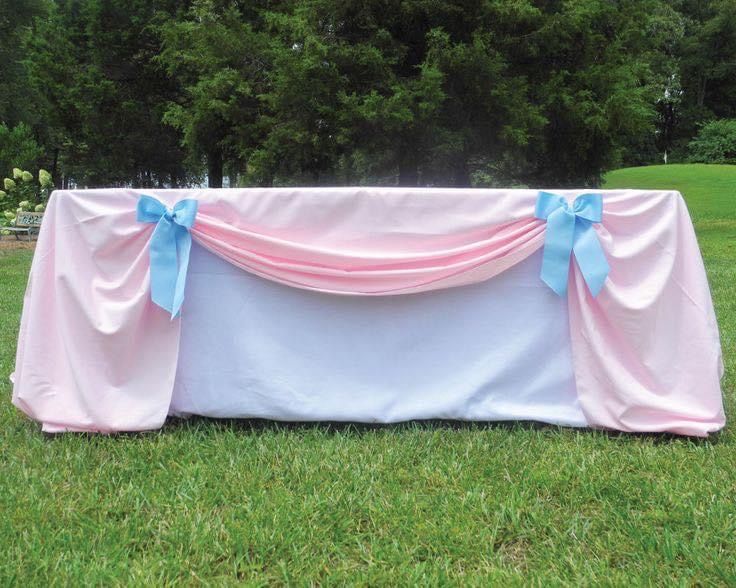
(570, 229)
(169, 249)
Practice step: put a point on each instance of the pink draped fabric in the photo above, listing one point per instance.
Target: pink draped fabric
(95, 354)
(646, 350)
(371, 241)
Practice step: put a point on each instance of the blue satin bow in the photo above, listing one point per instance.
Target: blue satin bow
(570, 229)
(169, 249)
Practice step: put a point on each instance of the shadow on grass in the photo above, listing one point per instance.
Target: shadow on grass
(249, 426)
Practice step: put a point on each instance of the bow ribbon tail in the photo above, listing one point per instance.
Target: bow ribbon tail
(558, 245)
(590, 256)
(183, 248)
(165, 268)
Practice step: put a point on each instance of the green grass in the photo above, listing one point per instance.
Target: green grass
(227, 502)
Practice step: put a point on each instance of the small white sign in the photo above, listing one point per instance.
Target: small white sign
(28, 219)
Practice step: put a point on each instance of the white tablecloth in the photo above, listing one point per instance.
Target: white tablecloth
(497, 350)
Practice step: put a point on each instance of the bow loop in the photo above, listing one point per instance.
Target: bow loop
(548, 203)
(589, 207)
(570, 229)
(149, 209)
(184, 213)
(169, 250)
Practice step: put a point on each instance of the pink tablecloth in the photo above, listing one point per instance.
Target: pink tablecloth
(95, 354)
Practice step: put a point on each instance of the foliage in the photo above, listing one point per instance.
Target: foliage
(163, 93)
(16, 98)
(705, 79)
(91, 65)
(431, 93)
(714, 143)
(214, 52)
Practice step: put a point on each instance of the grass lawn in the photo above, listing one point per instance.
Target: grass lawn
(238, 502)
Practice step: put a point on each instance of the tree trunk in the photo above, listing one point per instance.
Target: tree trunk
(408, 168)
(461, 173)
(214, 168)
(58, 182)
(702, 83)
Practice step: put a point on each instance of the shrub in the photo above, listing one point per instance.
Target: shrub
(23, 192)
(714, 143)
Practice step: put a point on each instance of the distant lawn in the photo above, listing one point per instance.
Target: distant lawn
(401, 505)
(710, 190)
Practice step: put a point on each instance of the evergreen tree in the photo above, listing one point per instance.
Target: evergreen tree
(707, 72)
(103, 96)
(16, 99)
(410, 92)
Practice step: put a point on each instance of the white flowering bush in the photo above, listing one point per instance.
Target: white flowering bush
(24, 192)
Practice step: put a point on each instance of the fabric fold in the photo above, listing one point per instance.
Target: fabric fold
(646, 351)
